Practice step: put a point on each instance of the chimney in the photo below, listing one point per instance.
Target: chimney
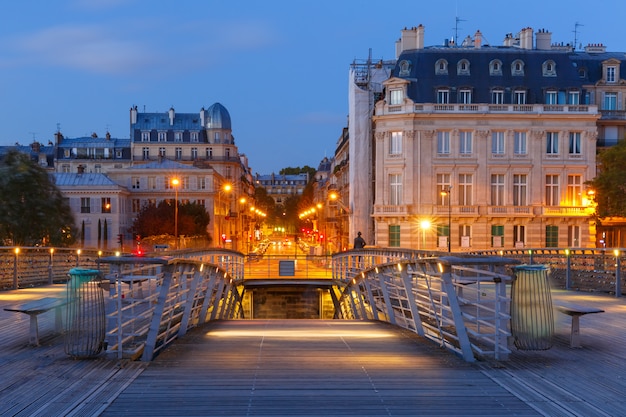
(420, 36)
(409, 39)
(202, 111)
(35, 146)
(133, 115)
(108, 136)
(527, 38)
(171, 114)
(544, 40)
(58, 137)
(478, 39)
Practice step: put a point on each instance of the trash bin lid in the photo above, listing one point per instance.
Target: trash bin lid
(533, 267)
(84, 272)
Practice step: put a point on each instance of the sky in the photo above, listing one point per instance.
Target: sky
(280, 67)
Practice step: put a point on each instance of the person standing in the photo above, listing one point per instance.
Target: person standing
(359, 242)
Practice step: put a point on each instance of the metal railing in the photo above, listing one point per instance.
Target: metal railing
(462, 304)
(153, 301)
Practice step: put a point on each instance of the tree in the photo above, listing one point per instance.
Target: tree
(32, 209)
(610, 184)
(158, 219)
(295, 171)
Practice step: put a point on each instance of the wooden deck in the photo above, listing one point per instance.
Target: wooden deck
(315, 368)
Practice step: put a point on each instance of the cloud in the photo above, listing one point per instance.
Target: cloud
(91, 48)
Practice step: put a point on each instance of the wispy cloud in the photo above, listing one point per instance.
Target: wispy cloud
(91, 48)
(119, 48)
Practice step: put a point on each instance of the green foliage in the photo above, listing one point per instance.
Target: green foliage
(32, 209)
(295, 171)
(610, 184)
(159, 219)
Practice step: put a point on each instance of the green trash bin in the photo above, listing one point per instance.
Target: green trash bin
(532, 315)
(85, 324)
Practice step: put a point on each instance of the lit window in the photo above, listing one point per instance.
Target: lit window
(395, 189)
(552, 190)
(106, 204)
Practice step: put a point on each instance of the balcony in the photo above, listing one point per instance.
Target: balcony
(493, 109)
(557, 211)
(392, 210)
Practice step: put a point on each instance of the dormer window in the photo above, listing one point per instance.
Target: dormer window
(396, 96)
(405, 68)
(495, 67)
(517, 68)
(463, 67)
(441, 67)
(610, 74)
(549, 69)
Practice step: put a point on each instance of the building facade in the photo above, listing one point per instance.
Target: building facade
(479, 147)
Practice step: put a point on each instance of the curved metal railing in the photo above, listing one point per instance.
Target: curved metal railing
(153, 301)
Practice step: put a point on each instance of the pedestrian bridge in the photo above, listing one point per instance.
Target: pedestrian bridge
(458, 302)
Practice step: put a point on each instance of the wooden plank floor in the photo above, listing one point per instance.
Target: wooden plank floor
(315, 368)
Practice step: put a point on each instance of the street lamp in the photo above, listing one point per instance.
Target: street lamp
(175, 183)
(424, 225)
(226, 188)
(446, 193)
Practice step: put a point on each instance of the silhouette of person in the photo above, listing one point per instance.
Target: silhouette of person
(359, 242)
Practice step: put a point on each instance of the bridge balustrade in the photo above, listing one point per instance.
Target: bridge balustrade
(152, 301)
(460, 303)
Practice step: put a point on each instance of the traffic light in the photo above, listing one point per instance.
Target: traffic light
(120, 240)
(223, 237)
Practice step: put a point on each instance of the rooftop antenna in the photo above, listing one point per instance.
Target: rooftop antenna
(456, 30)
(576, 25)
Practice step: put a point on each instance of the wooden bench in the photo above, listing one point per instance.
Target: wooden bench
(35, 308)
(575, 311)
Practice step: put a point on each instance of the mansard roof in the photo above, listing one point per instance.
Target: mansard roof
(164, 164)
(418, 67)
(66, 179)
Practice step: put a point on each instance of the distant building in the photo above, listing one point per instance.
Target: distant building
(280, 187)
(108, 180)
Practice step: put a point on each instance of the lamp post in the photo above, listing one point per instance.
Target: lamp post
(446, 193)
(424, 225)
(226, 188)
(175, 183)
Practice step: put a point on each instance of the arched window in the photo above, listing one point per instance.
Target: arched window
(441, 67)
(495, 67)
(463, 67)
(549, 68)
(517, 67)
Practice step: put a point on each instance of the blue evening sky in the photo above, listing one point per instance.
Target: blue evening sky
(280, 67)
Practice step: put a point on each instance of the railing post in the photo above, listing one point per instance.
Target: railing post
(15, 261)
(618, 274)
(568, 276)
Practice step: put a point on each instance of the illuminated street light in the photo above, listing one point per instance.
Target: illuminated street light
(446, 193)
(175, 183)
(424, 225)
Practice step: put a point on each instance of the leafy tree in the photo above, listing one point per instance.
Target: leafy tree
(610, 183)
(32, 209)
(295, 171)
(159, 219)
